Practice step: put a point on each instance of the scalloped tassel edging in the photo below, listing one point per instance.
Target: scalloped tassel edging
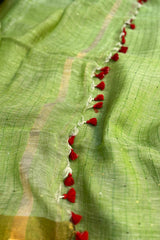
(102, 72)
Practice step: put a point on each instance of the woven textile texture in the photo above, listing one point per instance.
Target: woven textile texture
(49, 50)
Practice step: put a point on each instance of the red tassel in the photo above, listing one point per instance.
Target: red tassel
(75, 218)
(101, 86)
(140, 1)
(99, 97)
(115, 57)
(73, 156)
(70, 196)
(69, 181)
(123, 49)
(105, 70)
(82, 235)
(132, 26)
(71, 140)
(98, 105)
(92, 121)
(124, 31)
(144, 0)
(100, 75)
(123, 40)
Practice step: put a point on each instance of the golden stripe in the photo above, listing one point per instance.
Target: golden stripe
(37, 228)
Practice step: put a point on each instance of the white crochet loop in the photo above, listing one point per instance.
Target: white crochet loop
(121, 34)
(70, 150)
(116, 49)
(139, 5)
(136, 12)
(92, 75)
(69, 147)
(90, 99)
(66, 171)
(93, 72)
(128, 21)
(60, 197)
(119, 44)
(124, 25)
(133, 17)
(69, 212)
(109, 57)
(99, 68)
(75, 131)
(89, 107)
(92, 86)
(82, 122)
(58, 194)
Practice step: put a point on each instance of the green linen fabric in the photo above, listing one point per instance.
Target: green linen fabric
(48, 51)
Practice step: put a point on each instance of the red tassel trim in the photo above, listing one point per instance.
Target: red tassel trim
(124, 31)
(101, 86)
(75, 218)
(132, 26)
(100, 75)
(82, 235)
(92, 121)
(98, 105)
(123, 49)
(123, 40)
(115, 57)
(71, 140)
(73, 156)
(99, 97)
(105, 70)
(70, 196)
(69, 181)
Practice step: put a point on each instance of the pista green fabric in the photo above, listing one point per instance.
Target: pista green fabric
(49, 50)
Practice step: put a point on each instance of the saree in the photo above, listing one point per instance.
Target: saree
(50, 52)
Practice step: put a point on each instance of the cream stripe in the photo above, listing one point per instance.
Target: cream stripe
(102, 30)
(31, 148)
